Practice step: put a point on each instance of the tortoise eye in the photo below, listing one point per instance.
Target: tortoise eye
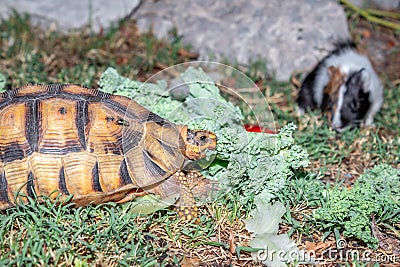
(203, 138)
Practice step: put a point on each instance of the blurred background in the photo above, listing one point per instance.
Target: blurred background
(274, 42)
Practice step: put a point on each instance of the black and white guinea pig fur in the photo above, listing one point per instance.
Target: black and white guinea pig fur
(345, 85)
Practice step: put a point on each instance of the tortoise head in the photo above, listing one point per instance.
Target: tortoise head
(197, 142)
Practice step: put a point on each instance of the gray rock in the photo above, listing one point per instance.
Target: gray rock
(288, 35)
(71, 14)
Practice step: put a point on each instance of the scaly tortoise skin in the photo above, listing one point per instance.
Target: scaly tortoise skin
(66, 139)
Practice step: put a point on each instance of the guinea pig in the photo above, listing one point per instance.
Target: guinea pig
(345, 85)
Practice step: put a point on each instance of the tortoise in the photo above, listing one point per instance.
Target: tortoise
(63, 139)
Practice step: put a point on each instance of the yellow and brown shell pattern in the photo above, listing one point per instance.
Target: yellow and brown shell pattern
(66, 139)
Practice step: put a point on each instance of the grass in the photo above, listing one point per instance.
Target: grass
(338, 160)
(50, 234)
(46, 233)
(31, 55)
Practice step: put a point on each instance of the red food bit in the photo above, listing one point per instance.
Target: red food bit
(257, 129)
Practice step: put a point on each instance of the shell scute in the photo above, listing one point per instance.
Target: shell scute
(59, 131)
(13, 142)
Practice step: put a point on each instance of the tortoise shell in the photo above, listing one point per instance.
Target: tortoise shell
(66, 139)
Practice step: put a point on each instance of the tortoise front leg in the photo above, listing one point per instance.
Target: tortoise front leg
(186, 206)
(193, 185)
(183, 187)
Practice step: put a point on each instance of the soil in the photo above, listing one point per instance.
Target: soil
(382, 46)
